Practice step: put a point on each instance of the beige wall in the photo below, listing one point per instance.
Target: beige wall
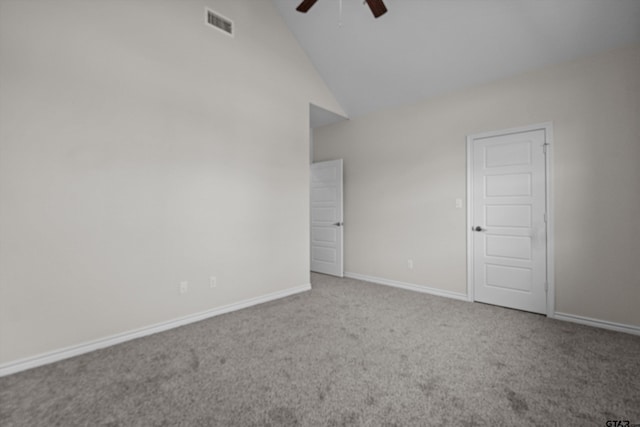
(140, 148)
(405, 167)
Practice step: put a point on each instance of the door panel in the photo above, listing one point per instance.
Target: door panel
(323, 214)
(508, 154)
(509, 278)
(513, 247)
(326, 218)
(511, 185)
(509, 205)
(508, 216)
(324, 234)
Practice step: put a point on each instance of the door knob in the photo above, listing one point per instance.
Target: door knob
(478, 228)
(338, 224)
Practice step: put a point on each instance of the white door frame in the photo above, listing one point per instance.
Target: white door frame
(548, 129)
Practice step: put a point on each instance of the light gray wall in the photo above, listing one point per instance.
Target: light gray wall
(140, 148)
(403, 169)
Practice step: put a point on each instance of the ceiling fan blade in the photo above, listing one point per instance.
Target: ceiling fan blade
(377, 7)
(306, 5)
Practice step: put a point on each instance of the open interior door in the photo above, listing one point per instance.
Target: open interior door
(326, 218)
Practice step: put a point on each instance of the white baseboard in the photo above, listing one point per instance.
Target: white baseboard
(67, 352)
(604, 324)
(408, 286)
(597, 323)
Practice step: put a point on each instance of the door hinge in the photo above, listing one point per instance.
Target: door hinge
(546, 286)
(545, 217)
(544, 147)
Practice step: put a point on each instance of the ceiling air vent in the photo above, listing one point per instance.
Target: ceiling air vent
(220, 22)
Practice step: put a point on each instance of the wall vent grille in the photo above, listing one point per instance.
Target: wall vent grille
(220, 22)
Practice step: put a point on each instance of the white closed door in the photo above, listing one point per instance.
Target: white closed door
(508, 220)
(326, 218)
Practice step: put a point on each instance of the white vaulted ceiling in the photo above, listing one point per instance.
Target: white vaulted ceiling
(423, 48)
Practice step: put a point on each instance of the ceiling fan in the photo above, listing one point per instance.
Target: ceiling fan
(377, 6)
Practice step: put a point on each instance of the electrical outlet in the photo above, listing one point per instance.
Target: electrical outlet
(184, 287)
(459, 203)
(213, 282)
(410, 264)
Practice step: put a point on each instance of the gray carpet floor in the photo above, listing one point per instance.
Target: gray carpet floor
(345, 353)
